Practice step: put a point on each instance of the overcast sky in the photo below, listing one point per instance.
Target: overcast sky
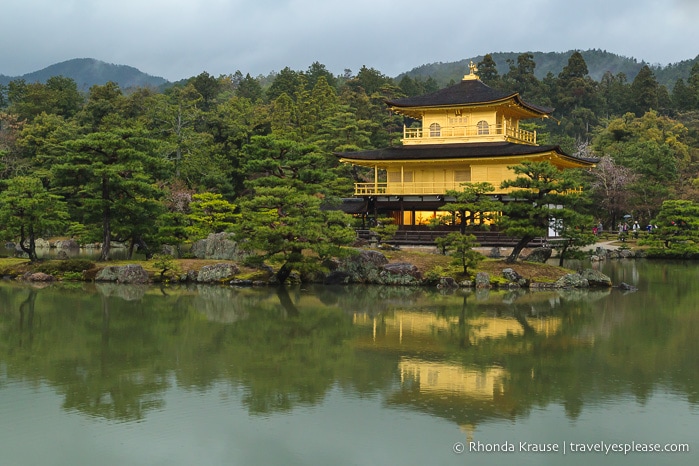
(178, 39)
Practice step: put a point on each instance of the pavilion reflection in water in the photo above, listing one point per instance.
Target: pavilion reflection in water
(437, 379)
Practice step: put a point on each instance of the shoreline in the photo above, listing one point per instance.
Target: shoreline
(406, 266)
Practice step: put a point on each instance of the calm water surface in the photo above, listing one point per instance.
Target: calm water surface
(115, 375)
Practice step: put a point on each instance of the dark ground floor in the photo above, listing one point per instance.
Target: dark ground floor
(419, 221)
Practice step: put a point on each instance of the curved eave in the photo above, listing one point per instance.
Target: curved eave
(556, 158)
(527, 110)
(467, 153)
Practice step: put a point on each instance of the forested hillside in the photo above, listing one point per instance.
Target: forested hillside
(238, 153)
(86, 72)
(598, 62)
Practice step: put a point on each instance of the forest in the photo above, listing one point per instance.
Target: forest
(235, 153)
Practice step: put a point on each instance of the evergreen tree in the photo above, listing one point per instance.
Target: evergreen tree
(410, 87)
(286, 82)
(208, 88)
(317, 71)
(693, 84)
(249, 88)
(472, 205)
(275, 161)
(175, 117)
(460, 248)
(285, 118)
(577, 97)
(488, 71)
(107, 174)
(682, 96)
(287, 226)
(614, 91)
(59, 96)
(541, 195)
(644, 92)
(677, 233)
(520, 77)
(210, 213)
(28, 210)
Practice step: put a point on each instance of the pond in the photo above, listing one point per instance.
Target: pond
(112, 375)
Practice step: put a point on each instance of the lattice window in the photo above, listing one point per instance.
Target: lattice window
(483, 127)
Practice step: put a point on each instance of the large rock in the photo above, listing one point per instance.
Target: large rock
(572, 280)
(217, 273)
(626, 287)
(363, 267)
(400, 273)
(513, 277)
(40, 277)
(67, 244)
(482, 280)
(374, 258)
(218, 246)
(131, 273)
(41, 243)
(540, 255)
(447, 283)
(596, 278)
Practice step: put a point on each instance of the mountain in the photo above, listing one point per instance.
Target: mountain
(598, 62)
(87, 72)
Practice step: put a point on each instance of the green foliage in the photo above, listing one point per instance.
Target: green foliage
(274, 161)
(280, 223)
(73, 276)
(542, 194)
(65, 268)
(108, 171)
(677, 232)
(472, 205)
(210, 213)
(460, 248)
(28, 210)
(655, 149)
(108, 153)
(165, 263)
(81, 233)
(384, 229)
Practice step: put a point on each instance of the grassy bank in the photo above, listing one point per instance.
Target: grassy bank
(428, 263)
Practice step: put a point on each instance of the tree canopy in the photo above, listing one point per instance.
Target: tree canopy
(121, 160)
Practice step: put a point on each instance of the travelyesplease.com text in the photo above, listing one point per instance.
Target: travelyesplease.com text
(570, 447)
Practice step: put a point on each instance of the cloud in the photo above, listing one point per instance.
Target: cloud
(181, 38)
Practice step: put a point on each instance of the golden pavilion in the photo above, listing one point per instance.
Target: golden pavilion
(467, 133)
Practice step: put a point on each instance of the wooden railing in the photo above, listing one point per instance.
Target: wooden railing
(434, 188)
(398, 188)
(445, 133)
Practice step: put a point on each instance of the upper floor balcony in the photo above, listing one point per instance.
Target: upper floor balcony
(481, 132)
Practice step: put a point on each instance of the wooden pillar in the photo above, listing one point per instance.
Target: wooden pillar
(376, 179)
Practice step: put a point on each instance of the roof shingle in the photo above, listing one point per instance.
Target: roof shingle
(467, 92)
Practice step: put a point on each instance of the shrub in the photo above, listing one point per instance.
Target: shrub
(61, 267)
